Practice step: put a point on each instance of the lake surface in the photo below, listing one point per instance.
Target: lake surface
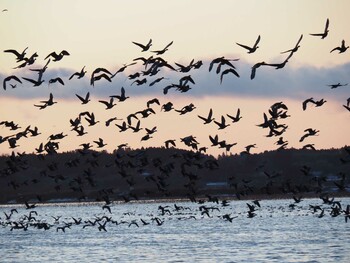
(277, 232)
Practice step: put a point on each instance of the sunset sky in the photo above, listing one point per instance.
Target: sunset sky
(100, 34)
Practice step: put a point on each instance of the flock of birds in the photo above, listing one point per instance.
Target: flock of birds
(153, 65)
(30, 218)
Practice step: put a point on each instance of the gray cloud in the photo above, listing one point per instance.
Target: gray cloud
(289, 82)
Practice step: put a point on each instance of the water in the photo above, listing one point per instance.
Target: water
(277, 233)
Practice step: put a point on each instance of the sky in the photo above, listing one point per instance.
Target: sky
(100, 34)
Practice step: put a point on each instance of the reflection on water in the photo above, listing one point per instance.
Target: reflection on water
(188, 232)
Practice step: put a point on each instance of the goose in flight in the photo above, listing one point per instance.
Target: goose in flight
(185, 69)
(19, 56)
(137, 127)
(47, 103)
(334, 86)
(109, 104)
(229, 70)
(294, 49)
(103, 75)
(120, 97)
(222, 125)
(309, 132)
(80, 130)
(161, 52)
(9, 78)
(90, 118)
(167, 106)
(221, 61)
(108, 122)
(186, 109)
(235, 118)
(169, 142)
(122, 69)
(80, 74)
(280, 65)
(209, 118)
(342, 48)
(122, 127)
(311, 100)
(57, 57)
(156, 81)
(151, 131)
(255, 67)
(152, 101)
(84, 100)
(251, 49)
(214, 140)
(139, 82)
(144, 47)
(100, 143)
(248, 147)
(325, 32)
(54, 80)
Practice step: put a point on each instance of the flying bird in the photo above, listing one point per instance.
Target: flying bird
(120, 97)
(9, 78)
(19, 56)
(57, 57)
(109, 104)
(251, 49)
(254, 68)
(294, 49)
(309, 132)
(325, 32)
(161, 52)
(229, 70)
(334, 86)
(54, 80)
(209, 118)
(100, 143)
(222, 124)
(79, 74)
(144, 47)
(84, 100)
(342, 48)
(235, 118)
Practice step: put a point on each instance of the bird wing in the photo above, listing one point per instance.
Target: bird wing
(327, 25)
(53, 54)
(257, 42)
(140, 45)
(244, 46)
(169, 45)
(301, 37)
(30, 80)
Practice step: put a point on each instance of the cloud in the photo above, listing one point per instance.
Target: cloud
(290, 82)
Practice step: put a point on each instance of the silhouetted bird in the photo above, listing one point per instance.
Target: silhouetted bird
(144, 47)
(79, 75)
(342, 48)
(84, 100)
(9, 78)
(325, 32)
(209, 118)
(294, 49)
(58, 57)
(334, 86)
(253, 48)
(122, 96)
(161, 52)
